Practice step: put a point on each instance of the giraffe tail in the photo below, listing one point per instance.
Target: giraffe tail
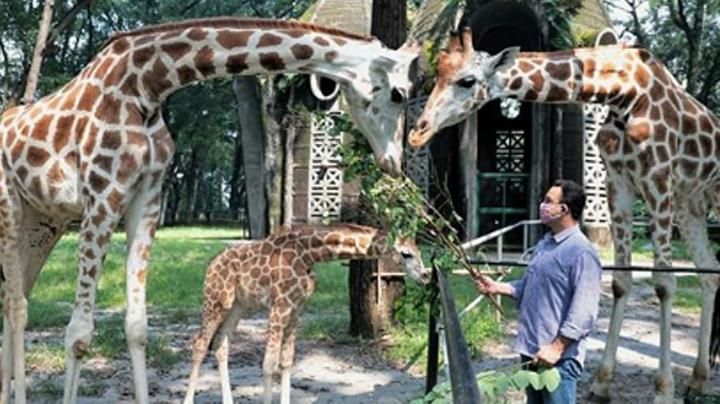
(715, 332)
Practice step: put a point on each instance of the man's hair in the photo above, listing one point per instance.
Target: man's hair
(573, 195)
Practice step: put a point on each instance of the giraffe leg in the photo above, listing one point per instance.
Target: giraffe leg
(95, 232)
(620, 202)
(222, 350)
(141, 220)
(213, 316)
(278, 314)
(6, 359)
(15, 304)
(693, 228)
(286, 360)
(665, 286)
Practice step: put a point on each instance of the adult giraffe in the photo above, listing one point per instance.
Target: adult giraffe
(97, 149)
(658, 143)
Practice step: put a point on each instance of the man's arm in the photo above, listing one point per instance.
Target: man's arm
(490, 287)
(581, 315)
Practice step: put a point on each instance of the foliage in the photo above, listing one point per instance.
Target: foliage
(494, 384)
(558, 14)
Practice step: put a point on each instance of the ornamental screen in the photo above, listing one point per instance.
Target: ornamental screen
(596, 209)
(326, 176)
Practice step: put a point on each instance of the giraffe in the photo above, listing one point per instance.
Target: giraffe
(96, 150)
(276, 273)
(658, 143)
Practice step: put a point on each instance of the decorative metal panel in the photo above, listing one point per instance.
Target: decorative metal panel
(510, 151)
(326, 176)
(416, 161)
(596, 209)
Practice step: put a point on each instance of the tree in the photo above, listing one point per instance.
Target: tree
(369, 317)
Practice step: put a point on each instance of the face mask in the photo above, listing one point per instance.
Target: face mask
(545, 216)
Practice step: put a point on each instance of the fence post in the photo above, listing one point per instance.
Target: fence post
(462, 375)
(433, 336)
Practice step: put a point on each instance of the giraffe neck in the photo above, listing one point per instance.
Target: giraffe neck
(154, 62)
(614, 76)
(348, 242)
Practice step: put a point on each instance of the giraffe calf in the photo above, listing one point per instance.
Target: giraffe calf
(276, 273)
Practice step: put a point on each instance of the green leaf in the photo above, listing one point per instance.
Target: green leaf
(534, 380)
(550, 378)
(520, 379)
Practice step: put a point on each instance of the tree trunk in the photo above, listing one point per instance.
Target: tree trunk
(252, 132)
(40, 42)
(369, 317)
(235, 184)
(292, 122)
(191, 183)
(276, 109)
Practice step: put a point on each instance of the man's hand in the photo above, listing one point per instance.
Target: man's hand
(550, 354)
(486, 285)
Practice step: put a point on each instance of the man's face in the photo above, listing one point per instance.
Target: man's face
(552, 207)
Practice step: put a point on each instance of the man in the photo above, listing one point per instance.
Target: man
(558, 296)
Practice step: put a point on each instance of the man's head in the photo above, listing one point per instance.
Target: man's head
(563, 204)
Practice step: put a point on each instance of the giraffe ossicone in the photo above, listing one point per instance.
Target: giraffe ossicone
(276, 274)
(658, 142)
(96, 150)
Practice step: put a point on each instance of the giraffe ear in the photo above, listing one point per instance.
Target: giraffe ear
(503, 60)
(382, 64)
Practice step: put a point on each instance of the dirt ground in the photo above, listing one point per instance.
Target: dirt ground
(348, 373)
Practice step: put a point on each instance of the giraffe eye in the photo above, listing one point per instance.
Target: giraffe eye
(406, 255)
(397, 96)
(467, 82)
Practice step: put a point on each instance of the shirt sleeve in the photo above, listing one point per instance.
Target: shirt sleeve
(586, 275)
(518, 287)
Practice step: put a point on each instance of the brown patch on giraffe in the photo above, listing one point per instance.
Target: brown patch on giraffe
(128, 165)
(233, 39)
(674, 100)
(638, 132)
(89, 254)
(537, 81)
(186, 75)
(142, 56)
(559, 71)
(155, 80)
(659, 178)
(689, 167)
(90, 273)
(17, 150)
(706, 145)
(119, 46)
(117, 73)
(36, 156)
(111, 140)
(525, 66)
(557, 93)
(705, 124)
(689, 106)
(708, 169)
(115, 201)
(631, 165)
(642, 76)
(331, 56)
(129, 86)
(655, 114)
(271, 61)
(176, 50)
(301, 51)
(690, 147)
(104, 163)
(88, 97)
(531, 95)
(109, 109)
(671, 117)
(661, 153)
(321, 41)
(269, 39)
(339, 41)
(516, 83)
(255, 272)
(35, 187)
(41, 128)
(97, 182)
(204, 61)
(657, 91)
(102, 68)
(237, 63)
(689, 124)
(136, 139)
(71, 159)
(62, 132)
(197, 34)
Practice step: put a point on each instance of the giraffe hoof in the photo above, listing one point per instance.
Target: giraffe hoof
(80, 349)
(595, 398)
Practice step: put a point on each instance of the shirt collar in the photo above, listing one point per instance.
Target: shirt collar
(563, 235)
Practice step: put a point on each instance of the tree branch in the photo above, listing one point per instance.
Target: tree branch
(68, 18)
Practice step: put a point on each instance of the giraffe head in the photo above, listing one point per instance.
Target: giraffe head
(466, 80)
(406, 254)
(377, 103)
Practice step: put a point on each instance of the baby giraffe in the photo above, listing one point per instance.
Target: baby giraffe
(276, 273)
